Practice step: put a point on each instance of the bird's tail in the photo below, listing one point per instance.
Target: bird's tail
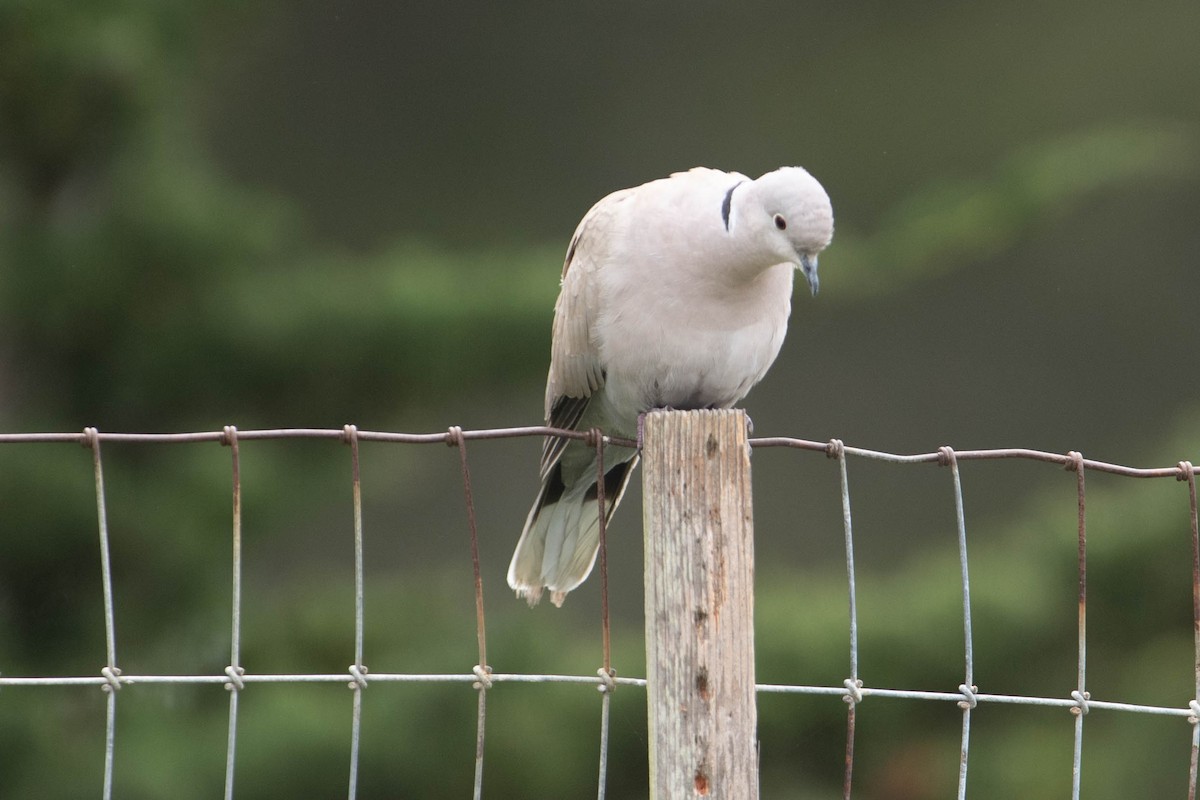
(558, 546)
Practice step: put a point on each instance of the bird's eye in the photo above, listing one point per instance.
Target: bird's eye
(780, 222)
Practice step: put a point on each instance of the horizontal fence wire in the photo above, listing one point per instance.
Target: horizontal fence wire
(481, 677)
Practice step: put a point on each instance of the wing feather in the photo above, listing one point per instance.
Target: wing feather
(575, 369)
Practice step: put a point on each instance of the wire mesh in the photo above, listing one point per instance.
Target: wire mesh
(481, 677)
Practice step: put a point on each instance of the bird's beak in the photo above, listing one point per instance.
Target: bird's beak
(809, 266)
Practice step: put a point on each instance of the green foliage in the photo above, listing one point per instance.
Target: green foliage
(949, 225)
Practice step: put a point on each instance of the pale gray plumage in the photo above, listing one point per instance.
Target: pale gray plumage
(675, 294)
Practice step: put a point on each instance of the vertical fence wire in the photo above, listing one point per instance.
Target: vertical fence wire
(968, 688)
(111, 672)
(605, 688)
(483, 682)
(1080, 694)
(836, 449)
(358, 670)
(597, 440)
(606, 672)
(234, 672)
(1187, 473)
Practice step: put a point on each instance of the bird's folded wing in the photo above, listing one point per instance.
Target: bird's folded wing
(575, 369)
(565, 414)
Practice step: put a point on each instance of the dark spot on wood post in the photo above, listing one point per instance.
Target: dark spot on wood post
(702, 684)
(701, 782)
(711, 446)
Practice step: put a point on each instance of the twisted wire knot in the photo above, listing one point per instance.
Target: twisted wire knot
(359, 674)
(1185, 470)
(484, 675)
(608, 683)
(969, 700)
(350, 434)
(946, 456)
(1081, 702)
(593, 438)
(454, 437)
(853, 690)
(1074, 461)
(235, 682)
(90, 437)
(228, 435)
(835, 449)
(1194, 705)
(112, 676)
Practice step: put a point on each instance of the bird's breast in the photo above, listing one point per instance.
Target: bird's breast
(690, 346)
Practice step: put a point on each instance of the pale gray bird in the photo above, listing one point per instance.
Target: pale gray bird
(675, 294)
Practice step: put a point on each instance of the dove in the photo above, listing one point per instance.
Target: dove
(675, 294)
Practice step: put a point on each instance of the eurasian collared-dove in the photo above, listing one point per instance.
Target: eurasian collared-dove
(675, 294)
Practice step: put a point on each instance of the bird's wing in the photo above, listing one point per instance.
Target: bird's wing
(565, 414)
(575, 368)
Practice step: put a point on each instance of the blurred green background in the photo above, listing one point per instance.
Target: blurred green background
(308, 214)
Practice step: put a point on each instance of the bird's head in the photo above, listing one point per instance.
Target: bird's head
(796, 218)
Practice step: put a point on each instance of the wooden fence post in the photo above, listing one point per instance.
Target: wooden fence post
(699, 572)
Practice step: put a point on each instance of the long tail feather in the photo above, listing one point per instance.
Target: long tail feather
(559, 543)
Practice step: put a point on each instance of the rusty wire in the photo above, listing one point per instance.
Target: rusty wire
(597, 440)
(481, 676)
(483, 672)
(1080, 695)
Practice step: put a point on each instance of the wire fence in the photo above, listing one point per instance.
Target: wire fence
(481, 677)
